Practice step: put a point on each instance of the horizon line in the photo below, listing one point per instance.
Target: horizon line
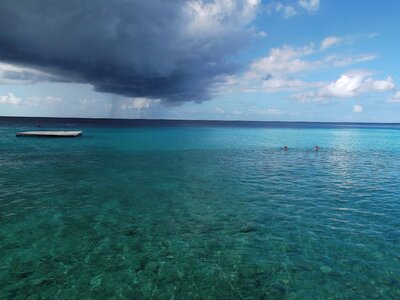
(192, 120)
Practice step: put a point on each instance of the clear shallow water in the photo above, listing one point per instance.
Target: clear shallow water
(201, 213)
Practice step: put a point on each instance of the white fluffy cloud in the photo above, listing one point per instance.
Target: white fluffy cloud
(309, 5)
(349, 85)
(292, 8)
(10, 99)
(216, 17)
(287, 11)
(395, 97)
(358, 108)
(346, 86)
(262, 34)
(283, 60)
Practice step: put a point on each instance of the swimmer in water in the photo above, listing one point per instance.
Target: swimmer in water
(316, 148)
(285, 148)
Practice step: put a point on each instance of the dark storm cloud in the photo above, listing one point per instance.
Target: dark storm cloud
(135, 48)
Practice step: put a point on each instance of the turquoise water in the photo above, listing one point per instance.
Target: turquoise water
(201, 213)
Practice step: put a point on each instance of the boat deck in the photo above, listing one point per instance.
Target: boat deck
(50, 133)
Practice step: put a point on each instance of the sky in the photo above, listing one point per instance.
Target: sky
(287, 60)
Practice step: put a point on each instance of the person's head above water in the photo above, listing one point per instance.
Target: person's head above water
(285, 148)
(316, 148)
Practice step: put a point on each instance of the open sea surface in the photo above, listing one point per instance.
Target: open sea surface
(200, 210)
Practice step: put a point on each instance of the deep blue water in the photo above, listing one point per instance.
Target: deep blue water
(200, 210)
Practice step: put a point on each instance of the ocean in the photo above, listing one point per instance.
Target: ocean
(141, 209)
